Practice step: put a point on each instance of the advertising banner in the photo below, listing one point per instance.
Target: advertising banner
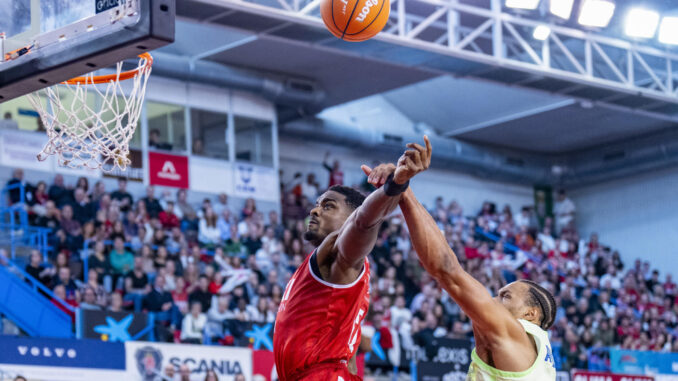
(19, 149)
(448, 360)
(168, 170)
(643, 362)
(582, 375)
(257, 182)
(63, 359)
(146, 360)
(115, 326)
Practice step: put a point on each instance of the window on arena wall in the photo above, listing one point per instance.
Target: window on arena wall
(254, 141)
(166, 126)
(209, 134)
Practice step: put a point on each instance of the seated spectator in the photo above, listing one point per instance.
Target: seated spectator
(122, 261)
(180, 296)
(198, 148)
(208, 232)
(160, 302)
(310, 188)
(39, 272)
(193, 325)
(60, 292)
(201, 294)
(152, 204)
(7, 123)
(154, 141)
(59, 193)
(68, 224)
(40, 199)
(221, 205)
(122, 195)
(249, 209)
(82, 208)
(167, 218)
(136, 284)
(188, 216)
(18, 181)
(63, 278)
(89, 300)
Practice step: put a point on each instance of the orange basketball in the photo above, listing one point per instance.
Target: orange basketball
(355, 20)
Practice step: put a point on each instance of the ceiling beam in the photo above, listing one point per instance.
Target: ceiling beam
(511, 117)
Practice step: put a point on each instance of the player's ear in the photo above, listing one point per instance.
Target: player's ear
(531, 314)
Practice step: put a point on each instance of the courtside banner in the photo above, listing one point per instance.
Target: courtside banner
(145, 360)
(581, 375)
(63, 359)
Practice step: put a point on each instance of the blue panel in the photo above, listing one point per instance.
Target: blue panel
(62, 353)
(30, 310)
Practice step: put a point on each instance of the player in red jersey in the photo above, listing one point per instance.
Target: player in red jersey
(317, 330)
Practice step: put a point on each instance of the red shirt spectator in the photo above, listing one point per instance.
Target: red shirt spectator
(167, 218)
(336, 175)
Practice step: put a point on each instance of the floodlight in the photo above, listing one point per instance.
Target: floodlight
(596, 13)
(641, 23)
(541, 33)
(561, 8)
(522, 4)
(668, 31)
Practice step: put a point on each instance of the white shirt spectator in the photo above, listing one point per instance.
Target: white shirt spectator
(310, 191)
(208, 234)
(192, 327)
(564, 211)
(615, 281)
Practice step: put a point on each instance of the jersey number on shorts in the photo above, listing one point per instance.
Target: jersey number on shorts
(354, 332)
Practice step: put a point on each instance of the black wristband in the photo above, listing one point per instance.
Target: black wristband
(393, 189)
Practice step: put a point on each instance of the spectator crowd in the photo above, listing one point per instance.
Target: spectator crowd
(200, 267)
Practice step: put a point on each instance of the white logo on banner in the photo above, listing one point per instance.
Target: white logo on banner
(169, 172)
(46, 351)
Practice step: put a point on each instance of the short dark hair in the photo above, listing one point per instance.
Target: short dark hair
(542, 298)
(353, 197)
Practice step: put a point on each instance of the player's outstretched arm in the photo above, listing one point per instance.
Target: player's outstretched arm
(359, 233)
(440, 261)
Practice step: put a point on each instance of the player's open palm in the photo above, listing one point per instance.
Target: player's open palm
(415, 160)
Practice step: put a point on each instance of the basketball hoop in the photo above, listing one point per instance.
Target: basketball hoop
(83, 136)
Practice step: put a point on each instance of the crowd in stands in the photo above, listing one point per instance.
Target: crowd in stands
(199, 266)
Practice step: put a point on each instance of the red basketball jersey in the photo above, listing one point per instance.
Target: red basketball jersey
(318, 322)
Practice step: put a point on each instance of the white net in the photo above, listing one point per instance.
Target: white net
(88, 125)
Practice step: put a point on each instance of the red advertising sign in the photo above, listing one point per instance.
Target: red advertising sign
(168, 170)
(579, 375)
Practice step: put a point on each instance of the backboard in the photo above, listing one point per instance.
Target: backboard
(45, 42)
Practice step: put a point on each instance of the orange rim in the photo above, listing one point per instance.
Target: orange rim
(125, 75)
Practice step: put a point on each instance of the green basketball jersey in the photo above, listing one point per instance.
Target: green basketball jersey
(543, 368)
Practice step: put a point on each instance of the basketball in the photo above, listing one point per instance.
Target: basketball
(355, 20)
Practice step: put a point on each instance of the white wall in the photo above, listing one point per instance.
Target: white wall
(637, 215)
(470, 192)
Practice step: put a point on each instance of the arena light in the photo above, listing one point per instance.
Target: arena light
(668, 31)
(561, 8)
(641, 23)
(522, 4)
(596, 13)
(541, 33)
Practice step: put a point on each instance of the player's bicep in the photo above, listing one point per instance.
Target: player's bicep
(477, 303)
(355, 240)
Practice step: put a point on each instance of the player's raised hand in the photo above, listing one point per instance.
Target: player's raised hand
(416, 159)
(377, 176)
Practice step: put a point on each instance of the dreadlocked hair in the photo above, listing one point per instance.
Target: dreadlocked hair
(353, 198)
(542, 298)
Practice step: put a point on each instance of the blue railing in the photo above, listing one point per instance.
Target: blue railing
(23, 302)
(20, 231)
(38, 286)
